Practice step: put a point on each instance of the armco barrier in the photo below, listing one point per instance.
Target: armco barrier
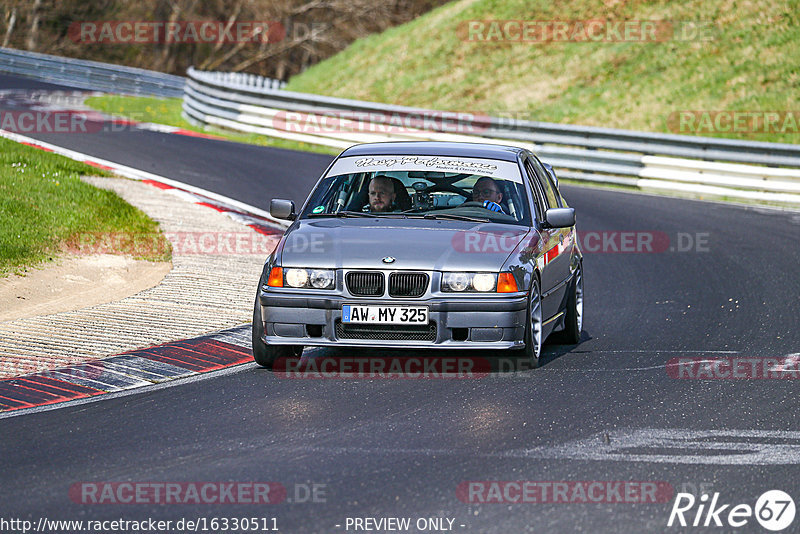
(720, 167)
(249, 103)
(91, 75)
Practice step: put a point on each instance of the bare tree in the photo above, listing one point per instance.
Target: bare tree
(315, 30)
(33, 32)
(11, 19)
(211, 61)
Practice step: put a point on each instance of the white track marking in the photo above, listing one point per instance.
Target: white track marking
(702, 447)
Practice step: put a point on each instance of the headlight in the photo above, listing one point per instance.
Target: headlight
(309, 278)
(296, 277)
(470, 282)
(483, 282)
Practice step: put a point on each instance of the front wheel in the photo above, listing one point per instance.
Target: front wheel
(265, 355)
(533, 326)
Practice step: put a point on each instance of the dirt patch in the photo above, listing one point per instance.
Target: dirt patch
(77, 282)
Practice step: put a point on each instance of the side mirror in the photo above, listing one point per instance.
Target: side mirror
(560, 217)
(282, 209)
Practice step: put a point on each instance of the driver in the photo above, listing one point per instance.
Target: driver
(487, 192)
(381, 194)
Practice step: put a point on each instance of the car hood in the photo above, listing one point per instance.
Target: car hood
(413, 243)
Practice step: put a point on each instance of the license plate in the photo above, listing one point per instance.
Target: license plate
(385, 314)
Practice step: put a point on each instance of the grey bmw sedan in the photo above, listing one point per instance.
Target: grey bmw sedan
(423, 245)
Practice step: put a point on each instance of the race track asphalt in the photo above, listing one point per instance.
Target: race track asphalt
(604, 410)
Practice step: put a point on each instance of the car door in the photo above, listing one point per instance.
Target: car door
(554, 264)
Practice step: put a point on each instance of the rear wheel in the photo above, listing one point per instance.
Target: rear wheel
(533, 326)
(265, 355)
(573, 322)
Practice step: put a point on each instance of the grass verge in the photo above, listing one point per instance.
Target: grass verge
(168, 111)
(45, 207)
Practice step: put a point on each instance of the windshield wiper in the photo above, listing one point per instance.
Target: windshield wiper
(453, 217)
(358, 214)
(341, 214)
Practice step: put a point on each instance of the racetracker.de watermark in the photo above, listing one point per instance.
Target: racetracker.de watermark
(591, 241)
(182, 243)
(177, 492)
(206, 492)
(67, 121)
(176, 32)
(61, 121)
(565, 492)
(379, 122)
(506, 241)
(390, 367)
(584, 31)
(735, 368)
(734, 122)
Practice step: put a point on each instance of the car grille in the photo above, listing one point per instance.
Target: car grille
(386, 331)
(407, 284)
(365, 284)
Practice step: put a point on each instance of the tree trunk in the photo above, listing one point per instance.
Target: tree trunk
(33, 35)
(12, 20)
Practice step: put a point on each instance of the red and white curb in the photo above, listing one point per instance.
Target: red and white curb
(163, 128)
(129, 370)
(141, 367)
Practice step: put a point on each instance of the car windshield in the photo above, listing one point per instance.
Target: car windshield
(465, 189)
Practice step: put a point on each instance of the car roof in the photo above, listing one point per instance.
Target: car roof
(435, 148)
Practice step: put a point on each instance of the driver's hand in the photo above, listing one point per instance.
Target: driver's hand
(493, 206)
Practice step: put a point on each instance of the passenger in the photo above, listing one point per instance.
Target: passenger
(487, 192)
(381, 194)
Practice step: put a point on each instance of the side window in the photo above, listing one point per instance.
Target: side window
(538, 198)
(547, 183)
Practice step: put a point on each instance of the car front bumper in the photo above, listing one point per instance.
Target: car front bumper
(484, 322)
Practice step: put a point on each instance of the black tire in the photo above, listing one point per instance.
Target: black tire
(573, 322)
(266, 355)
(533, 327)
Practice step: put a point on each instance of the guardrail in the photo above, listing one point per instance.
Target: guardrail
(720, 167)
(250, 103)
(91, 75)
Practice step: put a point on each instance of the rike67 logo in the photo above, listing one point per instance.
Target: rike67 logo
(774, 510)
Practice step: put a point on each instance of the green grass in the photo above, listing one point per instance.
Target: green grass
(749, 64)
(45, 208)
(168, 111)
